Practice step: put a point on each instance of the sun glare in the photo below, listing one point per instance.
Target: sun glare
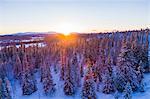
(65, 28)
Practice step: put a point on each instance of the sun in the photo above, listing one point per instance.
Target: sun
(66, 33)
(65, 28)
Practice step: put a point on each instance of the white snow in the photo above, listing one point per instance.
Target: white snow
(59, 94)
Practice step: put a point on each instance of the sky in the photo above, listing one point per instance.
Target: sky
(73, 15)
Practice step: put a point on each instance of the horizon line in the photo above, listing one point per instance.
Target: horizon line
(51, 32)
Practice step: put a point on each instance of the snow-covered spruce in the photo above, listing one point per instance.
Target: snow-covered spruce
(88, 90)
(75, 71)
(28, 79)
(69, 86)
(28, 83)
(48, 85)
(125, 69)
(1, 90)
(116, 95)
(5, 89)
(128, 91)
(17, 69)
(107, 77)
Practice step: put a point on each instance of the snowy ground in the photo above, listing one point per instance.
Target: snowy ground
(39, 94)
(146, 94)
(17, 92)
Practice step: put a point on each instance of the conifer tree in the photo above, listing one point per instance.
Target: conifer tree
(74, 71)
(141, 87)
(5, 89)
(81, 70)
(88, 90)
(128, 91)
(48, 85)
(125, 71)
(17, 67)
(1, 89)
(63, 64)
(116, 95)
(107, 77)
(145, 57)
(2, 70)
(28, 80)
(69, 87)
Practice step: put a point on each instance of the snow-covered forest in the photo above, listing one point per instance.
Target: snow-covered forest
(85, 66)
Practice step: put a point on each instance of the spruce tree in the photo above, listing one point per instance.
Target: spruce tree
(107, 77)
(146, 49)
(3, 70)
(116, 95)
(63, 64)
(128, 91)
(1, 89)
(75, 71)
(48, 85)
(141, 86)
(29, 83)
(5, 89)
(125, 71)
(69, 87)
(28, 80)
(88, 90)
(17, 67)
(42, 71)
